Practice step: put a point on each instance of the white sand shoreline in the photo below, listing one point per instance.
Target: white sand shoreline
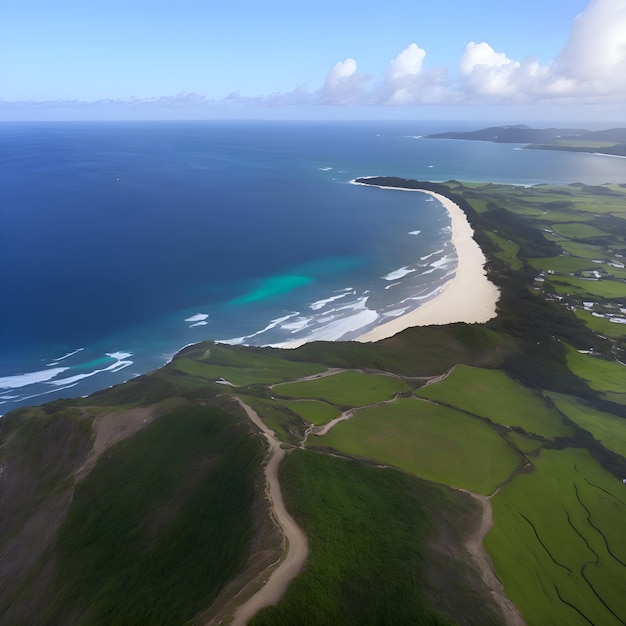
(468, 297)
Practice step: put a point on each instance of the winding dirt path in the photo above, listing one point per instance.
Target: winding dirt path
(484, 563)
(296, 543)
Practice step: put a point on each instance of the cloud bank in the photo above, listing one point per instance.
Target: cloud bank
(590, 69)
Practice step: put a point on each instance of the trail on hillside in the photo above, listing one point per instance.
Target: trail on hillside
(296, 543)
(475, 547)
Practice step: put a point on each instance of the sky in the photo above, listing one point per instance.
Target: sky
(403, 59)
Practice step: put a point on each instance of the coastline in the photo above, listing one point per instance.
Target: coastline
(468, 297)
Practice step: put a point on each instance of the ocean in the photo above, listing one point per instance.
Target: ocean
(120, 243)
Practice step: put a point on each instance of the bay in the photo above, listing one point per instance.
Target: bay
(122, 242)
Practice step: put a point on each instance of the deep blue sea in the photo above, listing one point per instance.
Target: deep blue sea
(120, 243)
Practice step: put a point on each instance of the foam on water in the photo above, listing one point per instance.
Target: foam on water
(198, 317)
(400, 273)
(30, 378)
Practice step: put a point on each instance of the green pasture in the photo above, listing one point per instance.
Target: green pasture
(312, 411)
(524, 443)
(493, 395)
(345, 389)
(600, 374)
(508, 251)
(602, 288)
(563, 264)
(428, 440)
(287, 426)
(578, 231)
(583, 250)
(558, 543)
(606, 428)
(553, 216)
(241, 368)
(601, 325)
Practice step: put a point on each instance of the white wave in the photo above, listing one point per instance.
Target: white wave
(315, 306)
(30, 378)
(396, 312)
(119, 355)
(272, 324)
(198, 317)
(443, 262)
(299, 324)
(415, 232)
(236, 341)
(8, 397)
(325, 169)
(65, 356)
(424, 258)
(114, 367)
(403, 271)
(428, 296)
(45, 393)
(202, 323)
(392, 285)
(326, 319)
(446, 229)
(348, 325)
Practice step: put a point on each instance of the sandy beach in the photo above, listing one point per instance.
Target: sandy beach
(469, 297)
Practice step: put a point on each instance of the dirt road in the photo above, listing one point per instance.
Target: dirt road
(475, 547)
(296, 543)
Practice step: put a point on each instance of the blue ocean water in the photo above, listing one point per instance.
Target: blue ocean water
(122, 242)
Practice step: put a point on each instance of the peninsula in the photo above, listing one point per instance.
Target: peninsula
(611, 142)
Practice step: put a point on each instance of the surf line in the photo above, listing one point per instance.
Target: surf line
(296, 543)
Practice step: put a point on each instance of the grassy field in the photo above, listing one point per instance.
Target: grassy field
(430, 441)
(312, 411)
(369, 563)
(558, 543)
(508, 251)
(608, 429)
(578, 231)
(345, 389)
(493, 395)
(241, 367)
(584, 250)
(564, 264)
(601, 374)
(609, 289)
(602, 325)
(143, 507)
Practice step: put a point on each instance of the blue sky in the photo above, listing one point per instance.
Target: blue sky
(278, 58)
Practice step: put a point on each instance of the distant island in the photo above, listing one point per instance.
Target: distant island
(610, 142)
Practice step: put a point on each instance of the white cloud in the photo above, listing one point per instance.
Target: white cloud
(407, 63)
(343, 85)
(593, 61)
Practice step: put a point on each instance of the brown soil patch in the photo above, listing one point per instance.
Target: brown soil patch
(111, 428)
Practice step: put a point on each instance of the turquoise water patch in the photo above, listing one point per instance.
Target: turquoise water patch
(273, 286)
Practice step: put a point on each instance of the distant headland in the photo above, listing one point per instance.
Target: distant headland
(611, 142)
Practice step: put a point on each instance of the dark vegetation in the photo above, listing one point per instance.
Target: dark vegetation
(372, 541)
(164, 518)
